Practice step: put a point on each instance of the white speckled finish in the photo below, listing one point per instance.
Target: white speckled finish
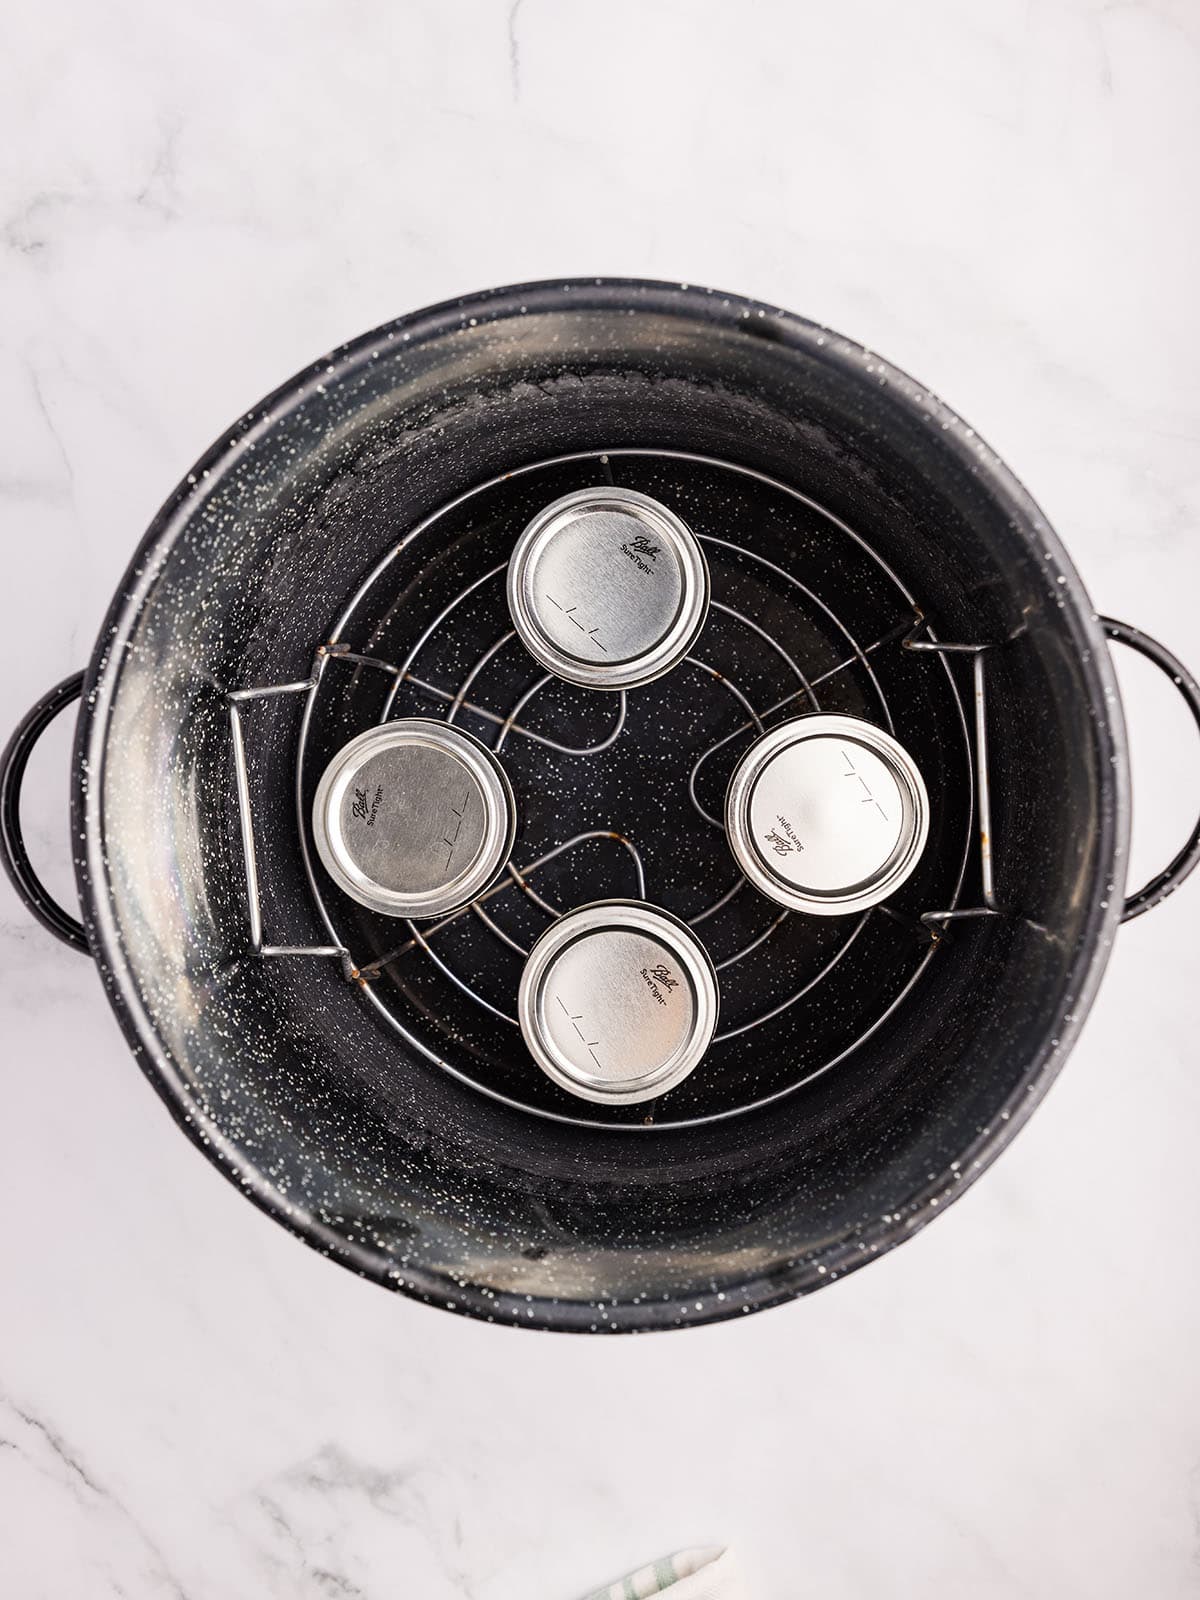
(193, 206)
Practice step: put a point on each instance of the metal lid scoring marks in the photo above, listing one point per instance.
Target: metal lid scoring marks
(608, 588)
(827, 814)
(618, 1002)
(414, 818)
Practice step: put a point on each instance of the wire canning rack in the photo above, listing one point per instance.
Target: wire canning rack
(620, 794)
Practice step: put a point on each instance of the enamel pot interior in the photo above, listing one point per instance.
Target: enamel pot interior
(396, 1121)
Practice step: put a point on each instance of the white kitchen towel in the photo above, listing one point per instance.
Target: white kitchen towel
(687, 1575)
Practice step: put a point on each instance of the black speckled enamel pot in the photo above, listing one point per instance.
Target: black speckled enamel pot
(376, 1097)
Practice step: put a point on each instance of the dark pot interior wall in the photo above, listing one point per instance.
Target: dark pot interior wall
(404, 1168)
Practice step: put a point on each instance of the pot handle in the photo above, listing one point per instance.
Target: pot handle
(1172, 875)
(13, 853)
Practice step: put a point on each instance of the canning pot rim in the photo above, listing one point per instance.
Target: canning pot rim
(684, 1308)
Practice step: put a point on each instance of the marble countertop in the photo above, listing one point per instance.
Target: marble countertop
(195, 201)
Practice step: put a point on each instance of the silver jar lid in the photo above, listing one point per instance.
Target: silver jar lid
(414, 818)
(618, 1001)
(607, 588)
(827, 814)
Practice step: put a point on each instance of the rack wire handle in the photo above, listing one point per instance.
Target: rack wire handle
(983, 786)
(1187, 859)
(241, 773)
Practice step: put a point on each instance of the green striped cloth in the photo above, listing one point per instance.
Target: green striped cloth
(687, 1575)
